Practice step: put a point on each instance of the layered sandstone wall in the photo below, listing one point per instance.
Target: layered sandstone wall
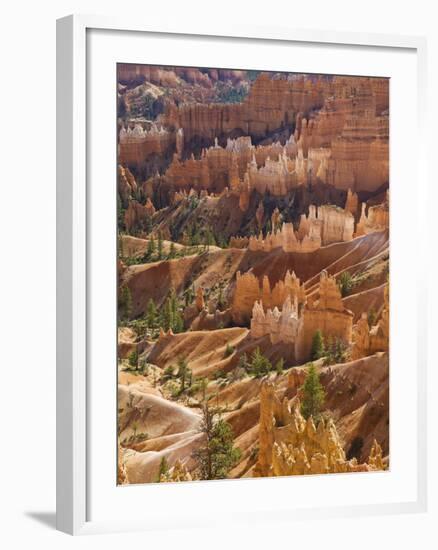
(271, 104)
(358, 164)
(137, 144)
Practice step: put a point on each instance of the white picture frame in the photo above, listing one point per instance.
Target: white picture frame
(74, 395)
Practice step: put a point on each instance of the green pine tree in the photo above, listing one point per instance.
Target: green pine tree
(125, 302)
(220, 299)
(260, 365)
(345, 283)
(151, 314)
(217, 455)
(178, 323)
(164, 468)
(133, 359)
(183, 372)
(279, 366)
(160, 246)
(150, 251)
(172, 251)
(243, 362)
(372, 317)
(318, 349)
(313, 394)
(166, 315)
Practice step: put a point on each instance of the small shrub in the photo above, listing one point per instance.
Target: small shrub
(229, 350)
(346, 283)
(259, 365)
(279, 366)
(133, 359)
(163, 469)
(167, 373)
(372, 317)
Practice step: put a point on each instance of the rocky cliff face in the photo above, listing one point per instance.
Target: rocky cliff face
(126, 184)
(270, 105)
(136, 214)
(137, 144)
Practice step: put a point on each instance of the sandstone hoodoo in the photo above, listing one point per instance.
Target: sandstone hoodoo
(253, 274)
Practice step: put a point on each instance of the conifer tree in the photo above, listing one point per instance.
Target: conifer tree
(345, 283)
(125, 302)
(163, 470)
(166, 315)
(243, 362)
(151, 314)
(313, 394)
(160, 246)
(218, 455)
(133, 359)
(151, 248)
(260, 365)
(220, 299)
(372, 317)
(318, 349)
(183, 372)
(178, 323)
(279, 366)
(172, 251)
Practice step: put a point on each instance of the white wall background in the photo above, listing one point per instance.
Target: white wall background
(27, 271)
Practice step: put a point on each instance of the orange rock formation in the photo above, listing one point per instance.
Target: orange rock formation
(377, 219)
(369, 340)
(291, 445)
(248, 291)
(280, 326)
(127, 185)
(271, 104)
(324, 225)
(297, 327)
(344, 144)
(136, 213)
(136, 144)
(327, 314)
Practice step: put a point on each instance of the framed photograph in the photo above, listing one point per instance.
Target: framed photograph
(239, 322)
